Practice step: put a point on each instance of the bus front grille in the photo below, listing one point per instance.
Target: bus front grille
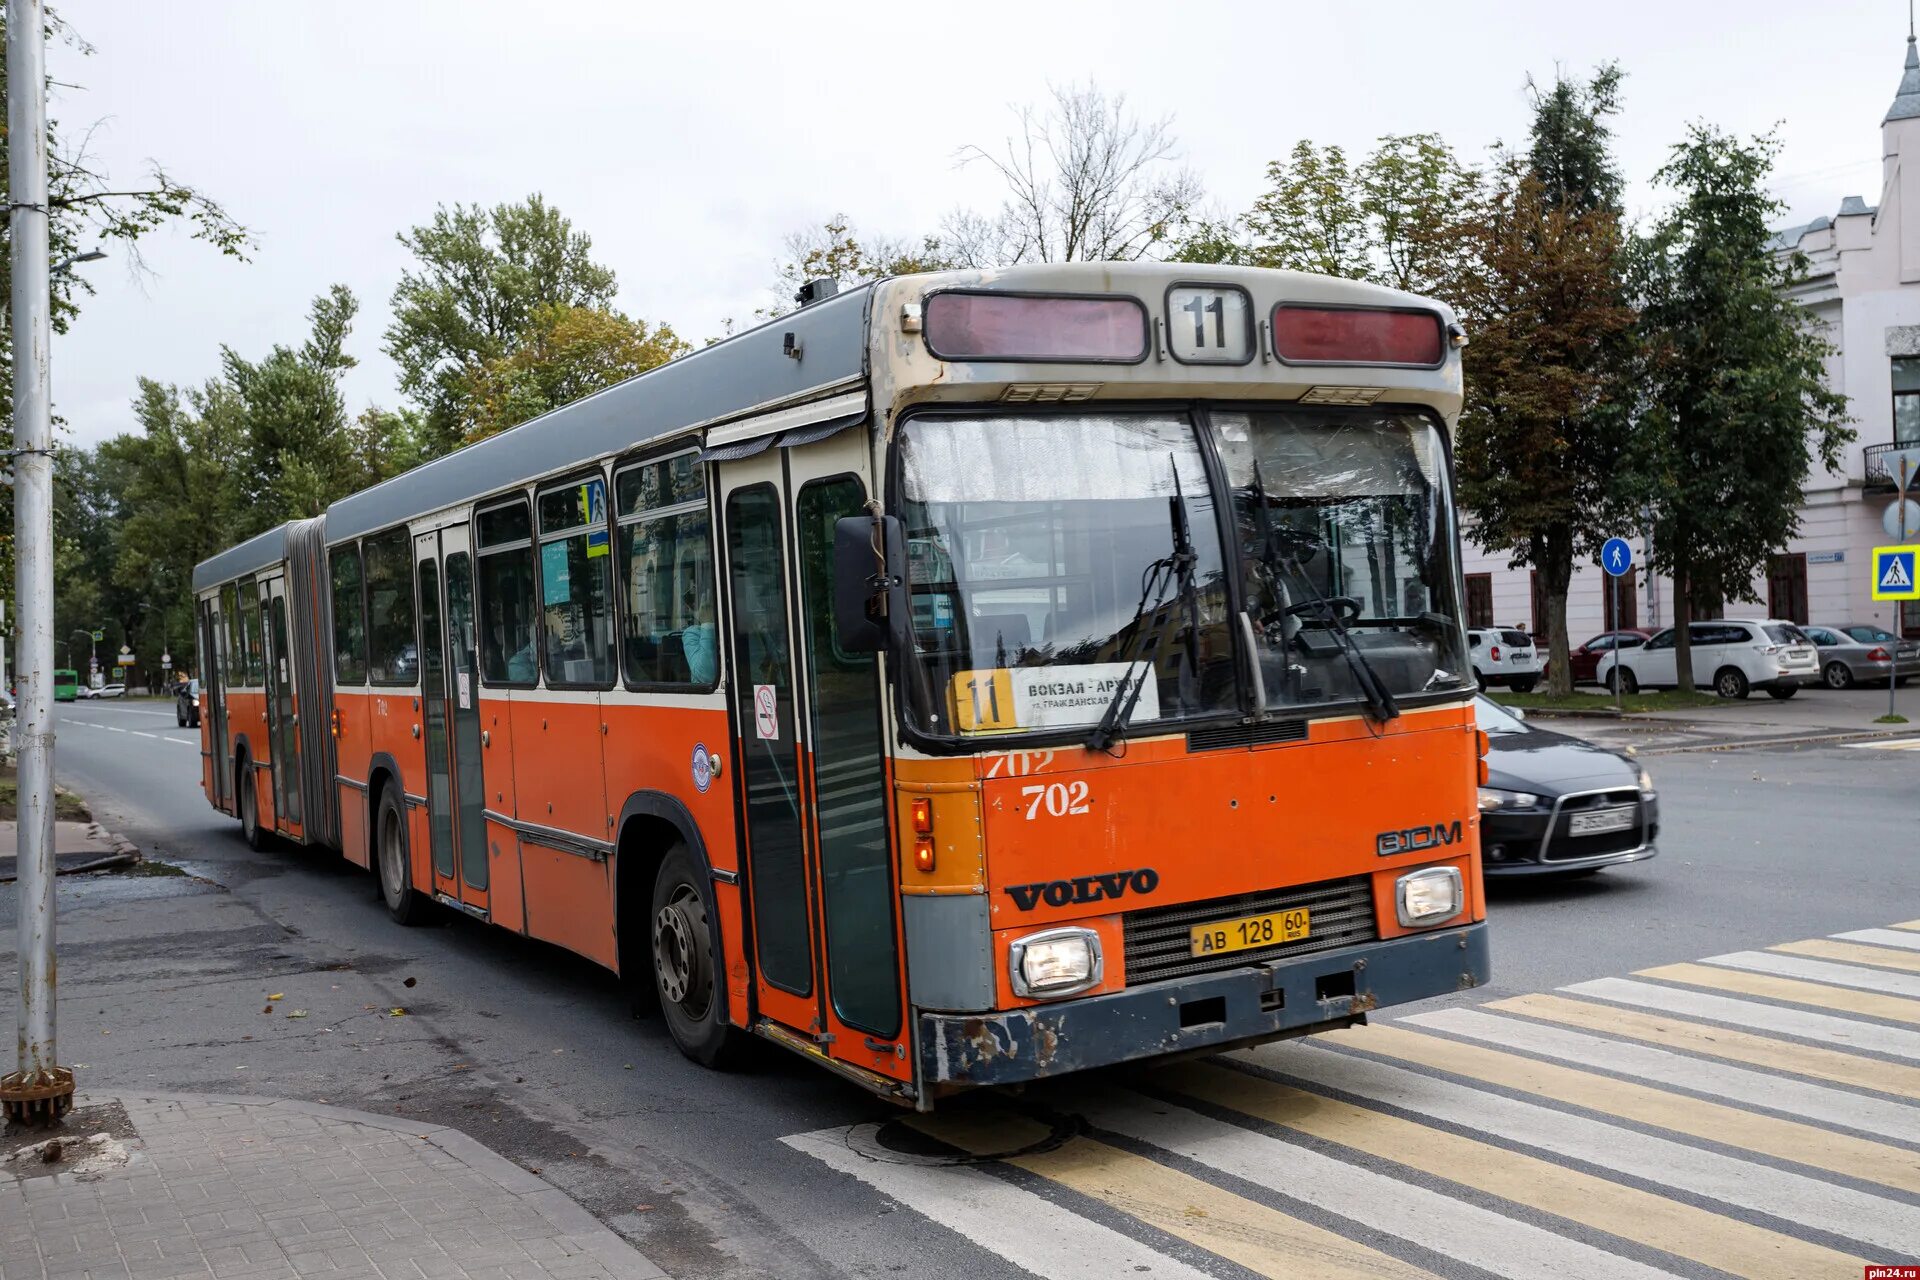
(1158, 939)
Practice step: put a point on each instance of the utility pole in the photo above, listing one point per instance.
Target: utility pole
(40, 1090)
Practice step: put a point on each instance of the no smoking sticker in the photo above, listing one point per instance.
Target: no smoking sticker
(766, 722)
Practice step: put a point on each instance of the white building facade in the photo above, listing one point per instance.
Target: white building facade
(1863, 287)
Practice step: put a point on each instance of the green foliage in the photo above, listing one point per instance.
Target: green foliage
(1542, 294)
(1311, 217)
(480, 276)
(566, 353)
(1734, 404)
(833, 251)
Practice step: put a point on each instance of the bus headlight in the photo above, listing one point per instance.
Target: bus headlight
(1429, 896)
(1054, 962)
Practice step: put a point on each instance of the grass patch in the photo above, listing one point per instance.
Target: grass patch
(67, 807)
(1890, 719)
(147, 867)
(1646, 700)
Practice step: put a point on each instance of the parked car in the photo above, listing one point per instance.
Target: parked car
(186, 703)
(1585, 658)
(1554, 805)
(1732, 656)
(1857, 651)
(1505, 656)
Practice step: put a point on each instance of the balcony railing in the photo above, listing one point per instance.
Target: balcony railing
(1878, 474)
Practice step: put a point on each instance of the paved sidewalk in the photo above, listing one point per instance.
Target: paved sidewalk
(257, 1189)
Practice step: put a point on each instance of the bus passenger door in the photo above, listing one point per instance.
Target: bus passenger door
(844, 746)
(213, 684)
(433, 715)
(768, 779)
(463, 739)
(283, 708)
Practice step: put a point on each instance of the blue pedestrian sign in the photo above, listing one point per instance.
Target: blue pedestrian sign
(1895, 575)
(1616, 557)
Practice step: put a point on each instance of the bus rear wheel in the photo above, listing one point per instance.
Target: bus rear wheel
(683, 961)
(404, 903)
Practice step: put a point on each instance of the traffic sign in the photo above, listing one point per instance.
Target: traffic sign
(1891, 519)
(1616, 557)
(1896, 573)
(1903, 468)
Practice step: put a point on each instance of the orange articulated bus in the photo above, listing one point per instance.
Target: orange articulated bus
(965, 679)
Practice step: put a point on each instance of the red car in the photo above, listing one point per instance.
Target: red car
(1585, 659)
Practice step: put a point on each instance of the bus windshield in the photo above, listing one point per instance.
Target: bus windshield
(1030, 544)
(1346, 537)
(1049, 559)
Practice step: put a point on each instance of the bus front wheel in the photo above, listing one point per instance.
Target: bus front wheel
(250, 828)
(683, 961)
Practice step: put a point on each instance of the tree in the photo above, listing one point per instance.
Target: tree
(1395, 219)
(1542, 295)
(1735, 396)
(480, 276)
(1087, 181)
(299, 450)
(833, 251)
(566, 353)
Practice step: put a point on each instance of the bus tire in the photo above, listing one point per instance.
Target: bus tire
(246, 785)
(404, 903)
(683, 961)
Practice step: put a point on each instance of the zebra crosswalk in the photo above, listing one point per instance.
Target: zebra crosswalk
(1755, 1113)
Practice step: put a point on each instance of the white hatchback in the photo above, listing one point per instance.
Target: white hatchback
(1505, 656)
(1733, 656)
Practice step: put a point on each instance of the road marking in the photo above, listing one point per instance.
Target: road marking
(112, 728)
(1894, 937)
(1841, 975)
(1823, 1027)
(1893, 1078)
(1890, 744)
(1671, 1226)
(1822, 948)
(1792, 1197)
(1261, 1239)
(1466, 1232)
(1026, 1229)
(1889, 1008)
(1657, 1108)
(138, 733)
(1904, 924)
(185, 742)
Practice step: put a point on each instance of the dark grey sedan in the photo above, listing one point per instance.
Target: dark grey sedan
(1856, 652)
(1554, 805)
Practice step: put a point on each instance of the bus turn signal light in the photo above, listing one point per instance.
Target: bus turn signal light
(923, 817)
(923, 854)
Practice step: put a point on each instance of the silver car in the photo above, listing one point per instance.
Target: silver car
(1860, 651)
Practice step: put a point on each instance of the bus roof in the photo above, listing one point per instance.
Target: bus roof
(806, 355)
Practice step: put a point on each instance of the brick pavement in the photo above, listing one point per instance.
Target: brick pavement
(257, 1189)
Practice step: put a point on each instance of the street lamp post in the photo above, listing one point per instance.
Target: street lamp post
(39, 1090)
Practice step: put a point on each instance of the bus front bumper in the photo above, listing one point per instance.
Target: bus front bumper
(1214, 1011)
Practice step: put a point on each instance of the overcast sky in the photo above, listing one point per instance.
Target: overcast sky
(688, 140)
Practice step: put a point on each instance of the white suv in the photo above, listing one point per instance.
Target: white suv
(1505, 656)
(1733, 656)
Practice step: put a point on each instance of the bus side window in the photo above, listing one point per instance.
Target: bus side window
(349, 617)
(230, 620)
(576, 586)
(393, 655)
(508, 606)
(666, 571)
(250, 633)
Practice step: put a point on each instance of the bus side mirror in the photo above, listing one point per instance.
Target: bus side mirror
(869, 583)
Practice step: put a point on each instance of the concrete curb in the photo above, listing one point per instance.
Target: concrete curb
(1812, 739)
(113, 839)
(549, 1201)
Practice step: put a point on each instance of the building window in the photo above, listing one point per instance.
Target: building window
(1479, 599)
(1906, 399)
(1628, 585)
(1910, 620)
(1787, 587)
(575, 585)
(349, 618)
(508, 605)
(666, 573)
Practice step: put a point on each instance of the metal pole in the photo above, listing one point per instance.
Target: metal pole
(40, 1090)
(1615, 585)
(1899, 606)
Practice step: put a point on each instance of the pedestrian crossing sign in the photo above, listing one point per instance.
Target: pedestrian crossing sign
(1894, 573)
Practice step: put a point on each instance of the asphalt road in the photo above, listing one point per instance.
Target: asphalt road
(1201, 1171)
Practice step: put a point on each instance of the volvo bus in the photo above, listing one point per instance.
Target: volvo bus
(965, 679)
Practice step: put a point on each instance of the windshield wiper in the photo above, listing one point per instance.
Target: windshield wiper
(1373, 691)
(1170, 571)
